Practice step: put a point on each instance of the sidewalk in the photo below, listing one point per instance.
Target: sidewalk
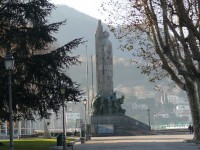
(149, 142)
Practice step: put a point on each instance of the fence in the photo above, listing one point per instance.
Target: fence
(169, 126)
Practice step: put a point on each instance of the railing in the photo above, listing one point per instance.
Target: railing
(169, 126)
(5, 132)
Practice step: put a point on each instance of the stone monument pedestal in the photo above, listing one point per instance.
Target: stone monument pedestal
(117, 125)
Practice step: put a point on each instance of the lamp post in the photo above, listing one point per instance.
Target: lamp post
(154, 121)
(9, 65)
(148, 111)
(62, 92)
(85, 103)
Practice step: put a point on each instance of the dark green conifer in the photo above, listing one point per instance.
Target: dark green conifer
(39, 70)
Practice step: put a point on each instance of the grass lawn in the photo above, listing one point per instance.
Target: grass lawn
(31, 144)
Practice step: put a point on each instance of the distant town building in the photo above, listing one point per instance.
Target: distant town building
(175, 99)
(183, 110)
(141, 93)
(139, 106)
(162, 114)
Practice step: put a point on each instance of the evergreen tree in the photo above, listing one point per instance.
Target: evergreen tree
(39, 71)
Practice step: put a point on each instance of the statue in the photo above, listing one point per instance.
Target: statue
(96, 106)
(101, 107)
(108, 105)
(117, 108)
(120, 102)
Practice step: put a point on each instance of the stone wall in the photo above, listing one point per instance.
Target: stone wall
(117, 125)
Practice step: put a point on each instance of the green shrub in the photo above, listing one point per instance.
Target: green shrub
(1, 144)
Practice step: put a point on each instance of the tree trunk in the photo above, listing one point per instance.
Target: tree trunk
(193, 98)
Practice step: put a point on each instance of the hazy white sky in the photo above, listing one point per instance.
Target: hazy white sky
(89, 7)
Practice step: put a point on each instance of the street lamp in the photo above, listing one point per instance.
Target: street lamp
(62, 92)
(85, 102)
(9, 65)
(148, 111)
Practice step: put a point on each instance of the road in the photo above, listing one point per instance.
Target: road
(149, 142)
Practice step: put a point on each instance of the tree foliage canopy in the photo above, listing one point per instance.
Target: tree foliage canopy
(171, 46)
(39, 69)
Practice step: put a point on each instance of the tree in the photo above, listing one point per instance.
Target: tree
(171, 46)
(39, 70)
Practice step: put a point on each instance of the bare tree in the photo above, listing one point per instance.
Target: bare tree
(169, 41)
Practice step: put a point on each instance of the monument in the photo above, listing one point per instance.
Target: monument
(107, 102)
(104, 62)
(108, 117)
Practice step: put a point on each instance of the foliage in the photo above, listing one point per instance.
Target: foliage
(1, 144)
(39, 69)
(172, 48)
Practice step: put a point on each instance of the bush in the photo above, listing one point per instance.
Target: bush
(1, 144)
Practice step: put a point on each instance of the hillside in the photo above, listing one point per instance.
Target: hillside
(80, 25)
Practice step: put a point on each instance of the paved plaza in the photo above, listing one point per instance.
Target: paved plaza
(149, 142)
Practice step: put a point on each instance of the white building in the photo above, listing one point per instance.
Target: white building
(183, 110)
(175, 99)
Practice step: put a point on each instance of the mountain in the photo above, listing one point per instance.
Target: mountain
(81, 25)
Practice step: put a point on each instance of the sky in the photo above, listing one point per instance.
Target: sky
(89, 7)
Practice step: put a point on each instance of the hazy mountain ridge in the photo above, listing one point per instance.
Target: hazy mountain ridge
(81, 25)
